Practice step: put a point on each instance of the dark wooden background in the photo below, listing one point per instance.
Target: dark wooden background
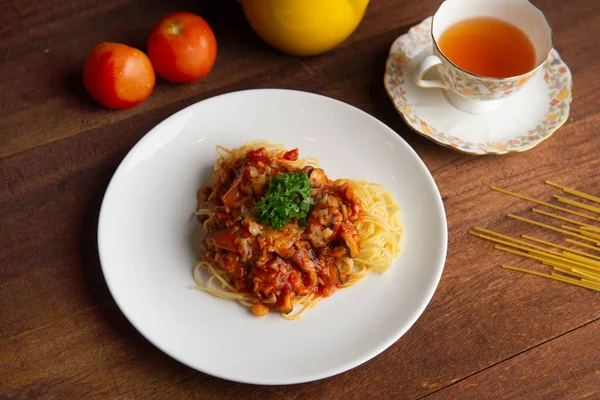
(487, 333)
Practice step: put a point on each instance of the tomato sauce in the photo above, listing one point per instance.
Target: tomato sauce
(277, 266)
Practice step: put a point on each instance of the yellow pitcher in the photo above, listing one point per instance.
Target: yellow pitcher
(304, 27)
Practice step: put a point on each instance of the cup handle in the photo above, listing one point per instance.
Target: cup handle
(424, 66)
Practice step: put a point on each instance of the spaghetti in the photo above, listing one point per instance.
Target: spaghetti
(568, 265)
(349, 228)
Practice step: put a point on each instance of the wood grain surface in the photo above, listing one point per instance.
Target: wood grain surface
(487, 333)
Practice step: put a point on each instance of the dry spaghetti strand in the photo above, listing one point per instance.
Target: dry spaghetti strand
(570, 265)
(584, 233)
(575, 192)
(558, 246)
(590, 228)
(541, 256)
(563, 260)
(564, 219)
(577, 204)
(543, 203)
(556, 278)
(523, 246)
(587, 246)
(566, 232)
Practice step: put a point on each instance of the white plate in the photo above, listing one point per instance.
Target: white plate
(147, 240)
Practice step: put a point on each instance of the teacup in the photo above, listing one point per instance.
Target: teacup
(471, 92)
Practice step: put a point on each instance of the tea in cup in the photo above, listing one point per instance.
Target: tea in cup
(485, 50)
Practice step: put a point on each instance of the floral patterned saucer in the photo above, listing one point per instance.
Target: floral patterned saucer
(524, 120)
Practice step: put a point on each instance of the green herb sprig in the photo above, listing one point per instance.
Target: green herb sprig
(288, 196)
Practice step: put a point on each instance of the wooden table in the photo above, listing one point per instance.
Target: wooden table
(487, 333)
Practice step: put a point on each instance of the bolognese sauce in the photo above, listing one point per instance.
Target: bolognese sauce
(276, 266)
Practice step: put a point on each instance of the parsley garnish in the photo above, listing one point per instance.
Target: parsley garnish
(288, 196)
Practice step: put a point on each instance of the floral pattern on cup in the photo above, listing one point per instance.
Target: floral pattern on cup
(474, 87)
(418, 39)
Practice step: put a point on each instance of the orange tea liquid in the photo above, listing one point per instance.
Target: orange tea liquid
(488, 47)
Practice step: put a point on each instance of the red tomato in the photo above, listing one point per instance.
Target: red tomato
(182, 47)
(118, 76)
